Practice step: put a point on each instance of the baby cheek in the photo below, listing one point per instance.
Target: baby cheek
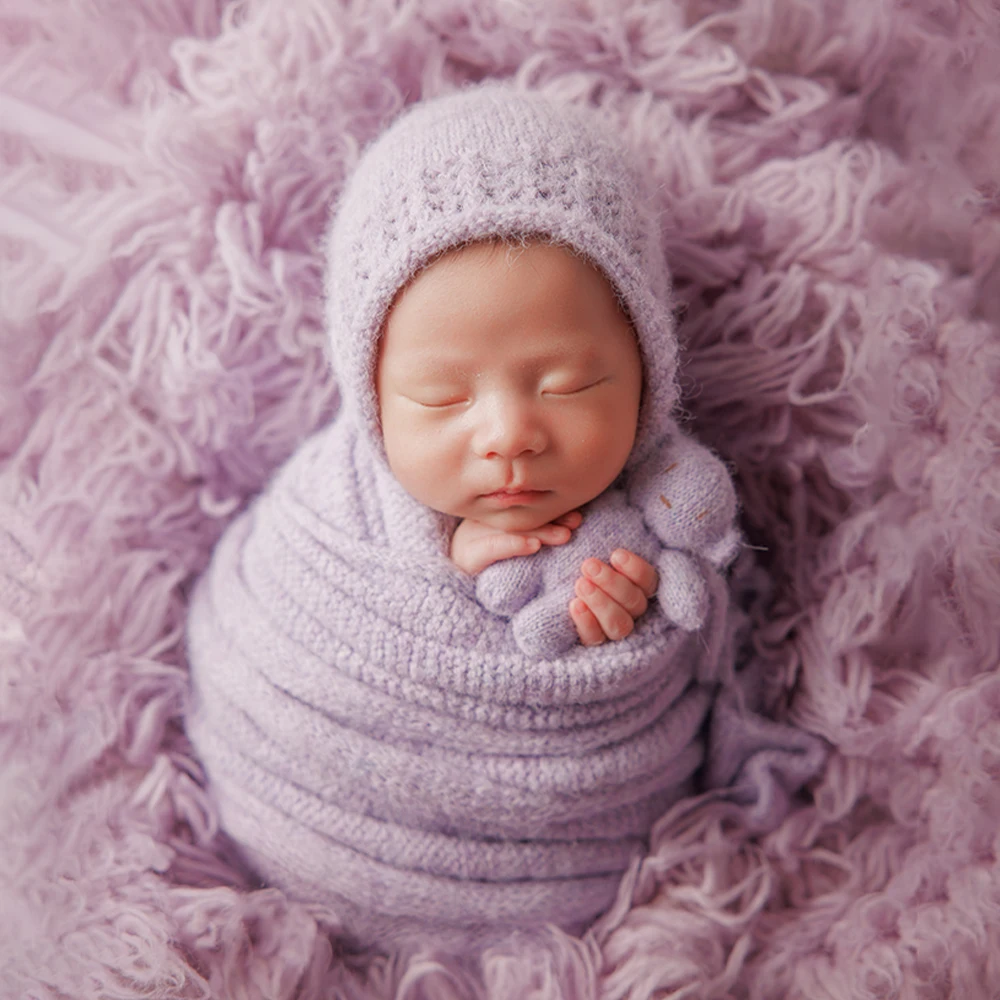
(598, 432)
(600, 448)
(430, 464)
(404, 446)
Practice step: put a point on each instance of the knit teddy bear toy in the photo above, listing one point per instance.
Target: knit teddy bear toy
(677, 511)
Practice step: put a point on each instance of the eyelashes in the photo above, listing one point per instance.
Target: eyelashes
(573, 392)
(449, 403)
(441, 406)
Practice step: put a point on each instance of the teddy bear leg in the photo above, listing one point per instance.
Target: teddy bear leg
(683, 590)
(544, 628)
(506, 586)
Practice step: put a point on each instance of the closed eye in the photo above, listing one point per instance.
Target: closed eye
(574, 391)
(439, 405)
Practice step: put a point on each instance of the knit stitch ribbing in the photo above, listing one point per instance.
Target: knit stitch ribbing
(378, 726)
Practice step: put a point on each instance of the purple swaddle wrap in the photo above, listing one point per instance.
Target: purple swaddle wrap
(375, 738)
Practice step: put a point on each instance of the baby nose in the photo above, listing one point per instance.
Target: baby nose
(509, 429)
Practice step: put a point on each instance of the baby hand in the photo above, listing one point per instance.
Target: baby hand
(475, 545)
(610, 599)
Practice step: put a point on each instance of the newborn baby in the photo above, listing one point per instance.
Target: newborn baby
(377, 741)
(509, 383)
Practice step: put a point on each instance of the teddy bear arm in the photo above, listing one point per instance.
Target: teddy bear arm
(721, 553)
(682, 591)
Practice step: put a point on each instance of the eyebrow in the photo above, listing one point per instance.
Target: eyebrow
(436, 368)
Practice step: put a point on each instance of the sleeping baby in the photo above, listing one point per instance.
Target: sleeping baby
(509, 385)
(462, 652)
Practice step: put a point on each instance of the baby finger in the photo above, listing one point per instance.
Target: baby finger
(614, 620)
(640, 572)
(588, 628)
(552, 534)
(572, 519)
(503, 546)
(617, 586)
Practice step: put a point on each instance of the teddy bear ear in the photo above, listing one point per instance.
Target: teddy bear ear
(647, 477)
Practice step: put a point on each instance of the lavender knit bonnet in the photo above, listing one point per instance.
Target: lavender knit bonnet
(374, 738)
(491, 161)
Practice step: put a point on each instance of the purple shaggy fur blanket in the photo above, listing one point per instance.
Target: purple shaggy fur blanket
(830, 191)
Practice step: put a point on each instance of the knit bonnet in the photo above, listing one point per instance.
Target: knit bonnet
(486, 162)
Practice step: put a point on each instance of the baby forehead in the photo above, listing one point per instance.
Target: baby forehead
(533, 304)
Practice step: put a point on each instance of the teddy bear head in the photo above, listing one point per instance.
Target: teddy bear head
(687, 500)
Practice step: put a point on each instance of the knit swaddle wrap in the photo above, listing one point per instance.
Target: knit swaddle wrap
(374, 737)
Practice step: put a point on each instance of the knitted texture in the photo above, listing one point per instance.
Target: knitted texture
(375, 738)
(678, 514)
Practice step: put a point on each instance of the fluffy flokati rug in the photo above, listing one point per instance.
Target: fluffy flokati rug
(830, 199)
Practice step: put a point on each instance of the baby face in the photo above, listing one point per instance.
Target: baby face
(508, 369)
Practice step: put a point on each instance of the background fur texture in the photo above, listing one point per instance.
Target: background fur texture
(829, 185)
